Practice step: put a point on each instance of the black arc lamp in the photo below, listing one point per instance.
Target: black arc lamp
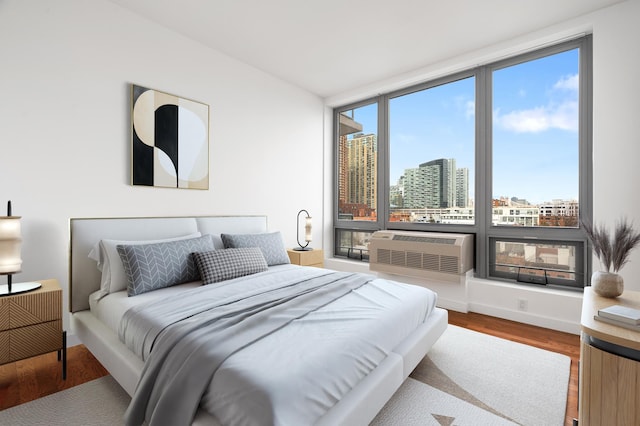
(307, 232)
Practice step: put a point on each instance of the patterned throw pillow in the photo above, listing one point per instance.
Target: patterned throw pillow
(153, 266)
(271, 244)
(220, 265)
(106, 255)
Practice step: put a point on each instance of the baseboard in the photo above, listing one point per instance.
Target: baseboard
(72, 340)
(526, 318)
(453, 305)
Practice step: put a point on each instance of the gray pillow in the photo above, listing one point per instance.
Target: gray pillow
(271, 244)
(150, 267)
(220, 265)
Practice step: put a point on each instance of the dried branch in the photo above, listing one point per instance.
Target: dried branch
(613, 252)
(625, 240)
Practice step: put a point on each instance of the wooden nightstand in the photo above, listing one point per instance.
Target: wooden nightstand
(307, 258)
(31, 324)
(609, 365)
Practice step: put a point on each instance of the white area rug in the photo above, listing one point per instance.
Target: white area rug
(100, 402)
(418, 404)
(471, 379)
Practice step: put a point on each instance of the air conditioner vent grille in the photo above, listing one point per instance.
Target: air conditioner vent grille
(384, 256)
(414, 260)
(420, 239)
(397, 258)
(449, 264)
(431, 262)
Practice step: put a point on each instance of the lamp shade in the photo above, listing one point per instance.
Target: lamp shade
(307, 229)
(10, 242)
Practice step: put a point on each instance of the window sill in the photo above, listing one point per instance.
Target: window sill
(344, 264)
(567, 291)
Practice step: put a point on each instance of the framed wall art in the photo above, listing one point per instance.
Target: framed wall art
(169, 140)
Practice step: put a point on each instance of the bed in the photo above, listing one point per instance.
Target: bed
(351, 397)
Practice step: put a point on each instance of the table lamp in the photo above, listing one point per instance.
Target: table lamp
(307, 232)
(10, 260)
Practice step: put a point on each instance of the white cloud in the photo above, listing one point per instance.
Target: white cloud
(565, 116)
(562, 115)
(569, 82)
(540, 119)
(525, 121)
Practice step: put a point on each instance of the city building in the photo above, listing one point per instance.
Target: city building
(436, 184)
(462, 187)
(358, 157)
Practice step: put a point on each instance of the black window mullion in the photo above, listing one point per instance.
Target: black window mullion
(483, 190)
(586, 143)
(383, 162)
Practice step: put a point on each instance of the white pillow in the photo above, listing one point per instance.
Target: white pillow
(109, 262)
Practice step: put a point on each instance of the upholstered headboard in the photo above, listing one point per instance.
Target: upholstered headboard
(84, 233)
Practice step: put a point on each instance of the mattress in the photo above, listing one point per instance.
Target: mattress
(296, 379)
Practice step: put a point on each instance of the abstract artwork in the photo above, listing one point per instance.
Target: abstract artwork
(170, 140)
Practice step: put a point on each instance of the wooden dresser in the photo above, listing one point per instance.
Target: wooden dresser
(31, 324)
(609, 388)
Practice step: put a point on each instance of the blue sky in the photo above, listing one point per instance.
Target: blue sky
(535, 128)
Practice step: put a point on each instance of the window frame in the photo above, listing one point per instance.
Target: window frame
(356, 225)
(483, 230)
(549, 281)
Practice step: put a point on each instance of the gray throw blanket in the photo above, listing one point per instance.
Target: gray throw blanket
(187, 354)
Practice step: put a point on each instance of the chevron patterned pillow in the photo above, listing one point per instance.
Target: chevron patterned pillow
(153, 266)
(271, 244)
(220, 265)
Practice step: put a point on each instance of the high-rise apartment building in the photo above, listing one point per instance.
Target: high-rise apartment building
(422, 189)
(396, 194)
(435, 184)
(342, 169)
(358, 159)
(447, 181)
(462, 187)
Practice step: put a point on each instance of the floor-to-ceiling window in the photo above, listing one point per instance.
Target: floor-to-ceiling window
(501, 151)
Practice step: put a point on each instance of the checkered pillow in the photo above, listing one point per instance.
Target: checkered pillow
(220, 265)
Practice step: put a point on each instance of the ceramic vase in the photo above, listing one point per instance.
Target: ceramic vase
(607, 284)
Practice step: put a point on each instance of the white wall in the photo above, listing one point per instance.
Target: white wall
(616, 152)
(65, 130)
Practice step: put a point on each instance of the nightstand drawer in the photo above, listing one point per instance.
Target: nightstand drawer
(25, 342)
(23, 309)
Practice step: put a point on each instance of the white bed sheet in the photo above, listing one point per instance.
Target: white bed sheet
(349, 341)
(110, 309)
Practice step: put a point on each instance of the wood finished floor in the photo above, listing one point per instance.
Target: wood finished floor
(36, 377)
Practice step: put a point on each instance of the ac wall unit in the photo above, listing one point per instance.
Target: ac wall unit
(421, 254)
